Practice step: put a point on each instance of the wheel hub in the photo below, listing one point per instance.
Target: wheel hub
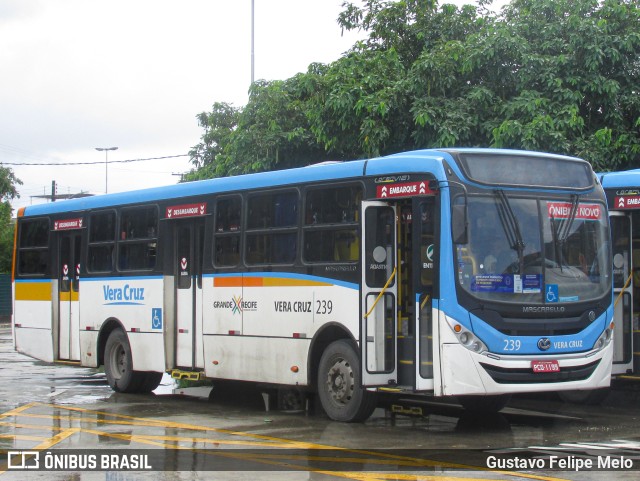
(340, 381)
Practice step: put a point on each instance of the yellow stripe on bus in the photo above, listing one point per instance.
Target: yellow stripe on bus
(69, 296)
(33, 291)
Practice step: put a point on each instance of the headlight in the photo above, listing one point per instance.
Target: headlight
(605, 338)
(468, 339)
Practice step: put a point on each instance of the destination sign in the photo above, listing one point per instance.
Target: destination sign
(186, 210)
(563, 210)
(67, 224)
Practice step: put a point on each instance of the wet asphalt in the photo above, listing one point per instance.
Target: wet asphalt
(227, 432)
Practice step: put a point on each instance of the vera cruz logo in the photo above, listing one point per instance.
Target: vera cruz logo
(123, 296)
(544, 344)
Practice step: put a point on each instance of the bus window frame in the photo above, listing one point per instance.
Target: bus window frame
(138, 240)
(227, 234)
(45, 248)
(272, 230)
(352, 226)
(102, 243)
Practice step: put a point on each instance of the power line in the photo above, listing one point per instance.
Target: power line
(95, 163)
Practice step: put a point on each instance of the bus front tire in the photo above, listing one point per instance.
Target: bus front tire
(340, 384)
(118, 365)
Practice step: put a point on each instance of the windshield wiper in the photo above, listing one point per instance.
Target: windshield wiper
(562, 229)
(511, 227)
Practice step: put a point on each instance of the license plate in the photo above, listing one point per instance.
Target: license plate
(545, 366)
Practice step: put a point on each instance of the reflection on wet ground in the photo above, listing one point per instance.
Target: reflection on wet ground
(66, 407)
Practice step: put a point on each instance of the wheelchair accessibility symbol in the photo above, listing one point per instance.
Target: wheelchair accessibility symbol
(156, 319)
(552, 292)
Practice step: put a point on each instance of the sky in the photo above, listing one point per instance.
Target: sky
(133, 74)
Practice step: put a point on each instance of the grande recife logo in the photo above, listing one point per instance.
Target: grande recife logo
(237, 305)
(563, 210)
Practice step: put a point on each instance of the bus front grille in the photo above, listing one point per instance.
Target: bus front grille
(503, 375)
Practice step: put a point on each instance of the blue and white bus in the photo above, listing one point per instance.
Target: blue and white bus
(623, 196)
(472, 273)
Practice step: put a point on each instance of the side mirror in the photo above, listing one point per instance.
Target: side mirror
(459, 224)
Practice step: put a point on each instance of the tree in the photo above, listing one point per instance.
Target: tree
(8, 192)
(553, 75)
(577, 80)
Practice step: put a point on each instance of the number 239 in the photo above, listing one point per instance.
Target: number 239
(512, 345)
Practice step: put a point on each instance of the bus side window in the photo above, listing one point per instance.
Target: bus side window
(137, 245)
(33, 254)
(272, 228)
(330, 231)
(102, 234)
(228, 223)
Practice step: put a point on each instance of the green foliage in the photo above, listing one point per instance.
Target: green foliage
(8, 192)
(551, 75)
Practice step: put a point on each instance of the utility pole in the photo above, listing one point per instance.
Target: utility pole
(252, 41)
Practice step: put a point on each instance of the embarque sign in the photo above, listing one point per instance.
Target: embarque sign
(407, 189)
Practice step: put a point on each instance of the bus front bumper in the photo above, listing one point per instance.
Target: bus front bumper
(465, 372)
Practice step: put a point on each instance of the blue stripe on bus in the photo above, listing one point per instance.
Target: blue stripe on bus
(289, 275)
(120, 278)
(33, 280)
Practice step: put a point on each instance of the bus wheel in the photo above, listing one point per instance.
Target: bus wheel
(340, 384)
(150, 381)
(590, 397)
(118, 364)
(484, 404)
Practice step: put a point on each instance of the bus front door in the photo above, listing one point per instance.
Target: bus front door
(623, 292)
(425, 252)
(189, 242)
(378, 330)
(69, 297)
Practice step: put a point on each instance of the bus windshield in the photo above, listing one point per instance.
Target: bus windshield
(534, 251)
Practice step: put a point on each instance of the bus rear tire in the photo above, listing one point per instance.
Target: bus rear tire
(150, 381)
(118, 364)
(484, 404)
(340, 384)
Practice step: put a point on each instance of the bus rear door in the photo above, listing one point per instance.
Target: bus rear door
(189, 242)
(378, 330)
(69, 295)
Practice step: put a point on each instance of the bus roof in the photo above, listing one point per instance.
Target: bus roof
(418, 161)
(627, 178)
(430, 160)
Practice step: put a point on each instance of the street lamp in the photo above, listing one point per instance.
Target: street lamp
(106, 159)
